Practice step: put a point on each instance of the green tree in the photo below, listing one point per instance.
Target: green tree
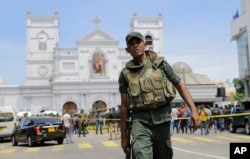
(240, 89)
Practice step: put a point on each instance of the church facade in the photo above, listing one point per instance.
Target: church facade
(86, 77)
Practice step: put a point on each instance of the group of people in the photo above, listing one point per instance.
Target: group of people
(113, 122)
(181, 120)
(111, 119)
(78, 123)
(209, 116)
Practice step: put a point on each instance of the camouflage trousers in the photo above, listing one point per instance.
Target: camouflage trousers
(151, 141)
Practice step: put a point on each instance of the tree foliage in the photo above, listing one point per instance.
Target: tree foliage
(240, 89)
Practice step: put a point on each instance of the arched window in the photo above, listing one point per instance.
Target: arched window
(149, 41)
(42, 39)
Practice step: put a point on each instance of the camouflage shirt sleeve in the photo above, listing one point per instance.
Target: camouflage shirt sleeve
(123, 85)
(174, 78)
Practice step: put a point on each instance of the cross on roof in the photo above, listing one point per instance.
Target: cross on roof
(97, 21)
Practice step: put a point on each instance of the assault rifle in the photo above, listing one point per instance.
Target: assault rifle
(129, 125)
(129, 151)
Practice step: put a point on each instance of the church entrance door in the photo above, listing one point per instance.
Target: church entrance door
(71, 106)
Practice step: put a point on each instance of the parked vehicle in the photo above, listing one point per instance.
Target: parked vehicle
(8, 121)
(241, 121)
(34, 130)
(47, 113)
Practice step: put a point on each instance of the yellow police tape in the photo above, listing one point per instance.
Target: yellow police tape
(212, 116)
(9, 115)
(221, 116)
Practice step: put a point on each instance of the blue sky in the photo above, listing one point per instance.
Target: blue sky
(196, 32)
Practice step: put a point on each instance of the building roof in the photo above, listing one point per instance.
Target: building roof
(185, 72)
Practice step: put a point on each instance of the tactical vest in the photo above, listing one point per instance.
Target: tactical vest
(148, 86)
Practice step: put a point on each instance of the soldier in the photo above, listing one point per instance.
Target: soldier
(145, 86)
(113, 122)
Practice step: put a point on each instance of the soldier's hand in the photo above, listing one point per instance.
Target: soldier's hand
(195, 120)
(125, 143)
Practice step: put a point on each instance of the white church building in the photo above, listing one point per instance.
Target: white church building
(86, 77)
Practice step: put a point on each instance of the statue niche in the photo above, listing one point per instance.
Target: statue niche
(98, 62)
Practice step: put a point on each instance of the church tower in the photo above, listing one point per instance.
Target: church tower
(152, 30)
(42, 38)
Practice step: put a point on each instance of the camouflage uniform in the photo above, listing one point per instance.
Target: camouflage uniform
(151, 127)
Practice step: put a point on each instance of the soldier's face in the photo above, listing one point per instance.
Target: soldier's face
(136, 47)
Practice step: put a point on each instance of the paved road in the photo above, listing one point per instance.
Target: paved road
(188, 146)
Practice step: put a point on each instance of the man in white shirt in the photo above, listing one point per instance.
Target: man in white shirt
(69, 126)
(175, 121)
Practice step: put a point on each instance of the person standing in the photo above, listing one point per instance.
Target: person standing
(83, 128)
(149, 108)
(189, 121)
(233, 109)
(107, 119)
(99, 121)
(226, 119)
(83, 123)
(113, 122)
(175, 121)
(216, 123)
(25, 115)
(221, 120)
(209, 114)
(69, 126)
(203, 118)
(183, 120)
